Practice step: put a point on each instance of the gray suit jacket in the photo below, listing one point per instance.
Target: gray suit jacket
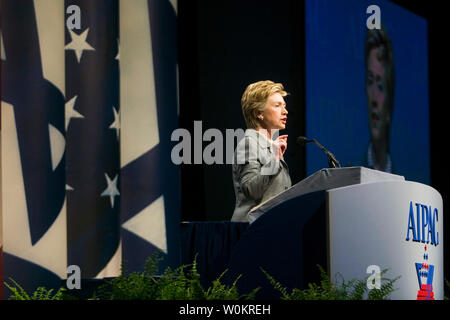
(257, 174)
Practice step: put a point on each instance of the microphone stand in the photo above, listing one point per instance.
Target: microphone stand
(332, 161)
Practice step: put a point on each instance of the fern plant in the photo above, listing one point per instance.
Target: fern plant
(344, 290)
(219, 291)
(447, 292)
(182, 283)
(41, 293)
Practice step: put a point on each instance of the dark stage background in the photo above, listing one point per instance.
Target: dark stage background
(225, 45)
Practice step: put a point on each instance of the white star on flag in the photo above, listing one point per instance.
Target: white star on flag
(78, 43)
(118, 50)
(111, 190)
(3, 55)
(116, 124)
(71, 112)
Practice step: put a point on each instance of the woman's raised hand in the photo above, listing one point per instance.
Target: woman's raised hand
(281, 144)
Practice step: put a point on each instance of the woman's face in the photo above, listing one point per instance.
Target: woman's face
(377, 110)
(275, 113)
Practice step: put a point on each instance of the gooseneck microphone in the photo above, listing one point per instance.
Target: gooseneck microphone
(332, 161)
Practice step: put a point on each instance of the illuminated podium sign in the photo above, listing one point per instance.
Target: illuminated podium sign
(396, 225)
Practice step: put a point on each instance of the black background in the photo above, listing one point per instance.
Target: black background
(225, 45)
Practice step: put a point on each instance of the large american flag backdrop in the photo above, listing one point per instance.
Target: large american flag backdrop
(86, 119)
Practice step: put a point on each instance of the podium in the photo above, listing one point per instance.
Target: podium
(354, 222)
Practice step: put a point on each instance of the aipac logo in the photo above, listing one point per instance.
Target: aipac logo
(425, 274)
(422, 228)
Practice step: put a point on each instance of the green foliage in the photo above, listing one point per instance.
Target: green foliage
(447, 292)
(41, 293)
(343, 290)
(218, 291)
(387, 287)
(183, 283)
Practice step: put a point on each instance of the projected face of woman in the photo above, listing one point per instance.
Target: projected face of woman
(378, 112)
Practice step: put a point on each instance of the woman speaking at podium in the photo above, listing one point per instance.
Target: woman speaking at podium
(259, 169)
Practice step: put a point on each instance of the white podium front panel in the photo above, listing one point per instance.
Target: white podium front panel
(395, 225)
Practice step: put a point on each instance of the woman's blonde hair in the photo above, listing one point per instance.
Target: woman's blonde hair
(255, 98)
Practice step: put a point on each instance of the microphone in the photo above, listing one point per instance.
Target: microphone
(332, 161)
